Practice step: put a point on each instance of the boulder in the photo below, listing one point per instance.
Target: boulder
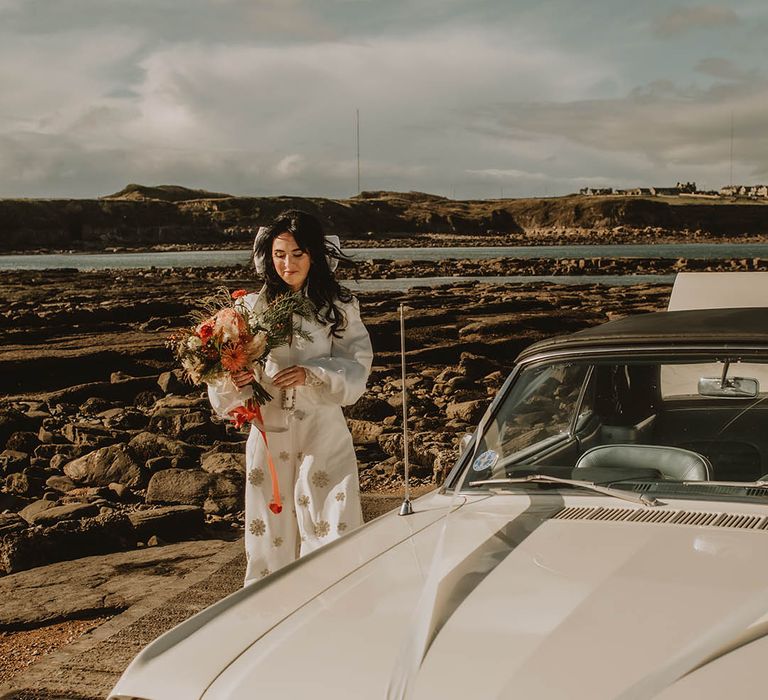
(475, 366)
(12, 421)
(146, 445)
(87, 435)
(11, 523)
(105, 465)
(71, 511)
(467, 411)
(13, 461)
(172, 382)
(225, 494)
(66, 450)
(30, 511)
(145, 399)
(224, 463)
(22, 483)
(95, 405)
(180, 423)
(365, 432)
(369, 408)
(217, 493)
(60, 483)
(124, 419)
(22, 441)
(67, 539)
(181, 486)
(170, 523)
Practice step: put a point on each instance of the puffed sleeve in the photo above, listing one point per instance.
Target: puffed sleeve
(225, 396)
(346, 371)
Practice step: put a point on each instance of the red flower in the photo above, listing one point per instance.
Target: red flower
(205, 331)
(239, 293)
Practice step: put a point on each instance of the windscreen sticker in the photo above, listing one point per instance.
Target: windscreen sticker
(485, 461)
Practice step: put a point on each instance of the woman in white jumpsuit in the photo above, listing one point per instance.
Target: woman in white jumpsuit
(310, 380)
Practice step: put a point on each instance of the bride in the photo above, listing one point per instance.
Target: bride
(310, 380)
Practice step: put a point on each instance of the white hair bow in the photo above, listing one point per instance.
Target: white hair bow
(258, 260)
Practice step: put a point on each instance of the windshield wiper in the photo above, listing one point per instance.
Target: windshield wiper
(642, 499)
(760, 484)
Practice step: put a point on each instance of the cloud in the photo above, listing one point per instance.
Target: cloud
(685, 19)
(291, 166)
(507, 174)
(680, 131)
(722, 68)
(259, 96)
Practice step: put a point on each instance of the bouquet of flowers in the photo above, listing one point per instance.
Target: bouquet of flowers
(229, 337)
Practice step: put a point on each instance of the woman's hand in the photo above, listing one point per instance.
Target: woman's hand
(243, 378)
(290, 377)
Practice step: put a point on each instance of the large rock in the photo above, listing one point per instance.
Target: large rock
(173, 382)
(181, 486)
(475, 367)
(12, 421)
(365, 432)
(124, 419)
(228, 463)
(13, 461)
(23, 483)
(28, 513)
(147, 445)
(169, 523)
(57, 514)
(369, 408)
(69, 539)
(22, 441)
(105, 465)
(11, 523)
(467, 411)
(182, 423)
(87, 435)
(225, 494)
(217, 493)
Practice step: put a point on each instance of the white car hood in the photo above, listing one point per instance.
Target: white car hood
(518, 604)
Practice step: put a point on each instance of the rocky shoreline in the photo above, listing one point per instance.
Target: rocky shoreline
(104, 447)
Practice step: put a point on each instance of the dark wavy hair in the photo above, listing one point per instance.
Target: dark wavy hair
(321, 286)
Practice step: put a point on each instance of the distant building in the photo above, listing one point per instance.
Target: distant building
(636, 192)
(596, 190)
(754, 191)
(682, 188)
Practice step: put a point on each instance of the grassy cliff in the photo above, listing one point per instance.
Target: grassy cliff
(147, 216)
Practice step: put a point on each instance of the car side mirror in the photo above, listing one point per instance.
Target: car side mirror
(733, 387)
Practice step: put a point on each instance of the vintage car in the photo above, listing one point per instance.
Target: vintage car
(604, 534)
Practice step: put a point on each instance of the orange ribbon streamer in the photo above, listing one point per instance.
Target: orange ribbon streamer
(245, 414)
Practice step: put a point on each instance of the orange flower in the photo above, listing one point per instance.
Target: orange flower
(234, 357)
(239, 293)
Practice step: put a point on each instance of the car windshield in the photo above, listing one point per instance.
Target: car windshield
(665, 424)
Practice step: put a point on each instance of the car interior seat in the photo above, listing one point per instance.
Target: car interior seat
(639, 461)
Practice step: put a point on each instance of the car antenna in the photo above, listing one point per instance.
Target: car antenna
(405, 507)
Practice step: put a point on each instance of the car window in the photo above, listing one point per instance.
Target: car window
(554, 414)
(541, 406)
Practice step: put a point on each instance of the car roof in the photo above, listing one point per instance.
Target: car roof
(711, 327)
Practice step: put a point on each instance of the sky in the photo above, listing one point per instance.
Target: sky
(466, 99)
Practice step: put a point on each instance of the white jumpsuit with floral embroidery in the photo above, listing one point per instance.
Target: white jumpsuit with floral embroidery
(314, 458)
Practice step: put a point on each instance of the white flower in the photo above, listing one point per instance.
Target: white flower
(256, 346)
(194, 343)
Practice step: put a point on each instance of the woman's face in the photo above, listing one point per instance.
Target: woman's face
(291, 262)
